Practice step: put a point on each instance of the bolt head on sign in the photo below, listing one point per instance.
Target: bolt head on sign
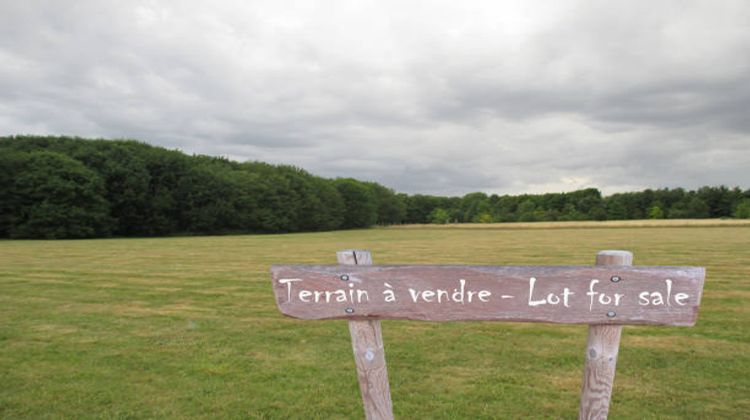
(557, 294)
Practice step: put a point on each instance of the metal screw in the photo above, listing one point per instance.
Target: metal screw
(349, 310)
(611, 314)
(344, 277)
(616, 279)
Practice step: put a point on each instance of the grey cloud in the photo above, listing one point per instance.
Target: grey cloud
(444, 100)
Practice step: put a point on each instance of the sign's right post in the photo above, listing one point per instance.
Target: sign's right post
(601, 352)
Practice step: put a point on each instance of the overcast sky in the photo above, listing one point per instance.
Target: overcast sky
(424, 97)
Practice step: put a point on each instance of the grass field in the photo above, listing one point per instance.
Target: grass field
(187, 327)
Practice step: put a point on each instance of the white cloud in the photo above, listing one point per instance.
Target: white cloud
(435, 97)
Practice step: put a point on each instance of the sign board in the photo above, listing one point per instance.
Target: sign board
(557, 294)
(605, 296)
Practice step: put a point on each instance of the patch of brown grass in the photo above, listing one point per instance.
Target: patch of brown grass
(651, 223)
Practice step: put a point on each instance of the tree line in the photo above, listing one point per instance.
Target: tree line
(63, 187)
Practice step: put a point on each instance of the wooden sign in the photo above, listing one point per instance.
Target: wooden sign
(605, 296)
(557, 294)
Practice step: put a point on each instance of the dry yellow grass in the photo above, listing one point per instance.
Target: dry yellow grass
(588, 224)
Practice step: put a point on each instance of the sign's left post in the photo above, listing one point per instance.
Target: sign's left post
(369, 353)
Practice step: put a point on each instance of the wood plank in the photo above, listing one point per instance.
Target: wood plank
(601, 353)
(557, 294)
(369, 353)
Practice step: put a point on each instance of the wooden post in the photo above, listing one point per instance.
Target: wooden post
(369, 353)
(601, 352)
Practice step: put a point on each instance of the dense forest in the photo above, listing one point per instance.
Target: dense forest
(62, 187)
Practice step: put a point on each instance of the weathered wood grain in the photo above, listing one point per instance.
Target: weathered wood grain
(369, 353)
(601, 353)
(648, 295)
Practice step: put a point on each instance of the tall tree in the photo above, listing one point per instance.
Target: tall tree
(390, 208)
(11, 200)
(58, 197)
(359, 202)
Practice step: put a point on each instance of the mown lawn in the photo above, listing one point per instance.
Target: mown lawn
(187, 327)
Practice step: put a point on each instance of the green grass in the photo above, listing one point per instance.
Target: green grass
(187, 327)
